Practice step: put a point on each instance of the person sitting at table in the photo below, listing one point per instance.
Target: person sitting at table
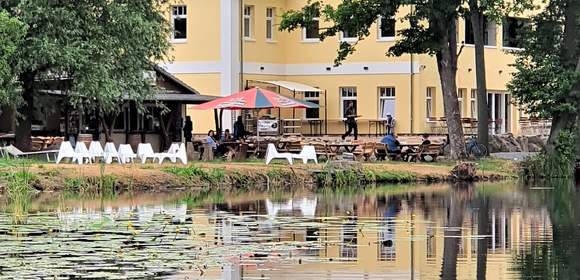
(393, 145)
(425, 140)
(211, 140)
(226, 136)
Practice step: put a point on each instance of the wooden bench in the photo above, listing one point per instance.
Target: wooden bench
(382, 153)
(365, 151)
(432, 150)
(322, 150)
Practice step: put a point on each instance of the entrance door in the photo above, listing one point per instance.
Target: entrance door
(499, 108)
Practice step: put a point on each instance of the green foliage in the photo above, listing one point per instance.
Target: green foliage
(545, 78)
(11, 33)
(554, 165)
(101, 47)
(212, 177)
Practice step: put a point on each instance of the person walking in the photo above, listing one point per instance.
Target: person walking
(351, 116)
(187, 129)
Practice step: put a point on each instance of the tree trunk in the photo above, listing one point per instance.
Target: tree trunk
(452, 237)
(447, 66)
(23, 130)
(478, 24)
(482, 244)
(108, 122)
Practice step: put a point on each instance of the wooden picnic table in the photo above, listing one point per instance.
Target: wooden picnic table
(236, 149)
(349, 147)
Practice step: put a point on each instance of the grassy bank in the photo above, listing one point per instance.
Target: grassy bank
(253, 175)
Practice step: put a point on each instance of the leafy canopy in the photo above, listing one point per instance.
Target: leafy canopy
(11, 33)
(97, 49)
(545, 77)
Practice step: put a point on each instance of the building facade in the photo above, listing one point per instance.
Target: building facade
(222, 46)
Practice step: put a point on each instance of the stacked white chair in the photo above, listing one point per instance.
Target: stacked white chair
(110, 153)
(126, 153)
(65, 151)
(176, 151)
(95, 150)
(307, 153)
(145, 151)
(82, 153)
(272, 153)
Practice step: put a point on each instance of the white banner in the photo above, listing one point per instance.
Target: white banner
(268, 125)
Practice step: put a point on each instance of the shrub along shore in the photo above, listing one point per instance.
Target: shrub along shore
(235, 175)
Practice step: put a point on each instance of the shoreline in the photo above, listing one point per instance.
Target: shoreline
(244, 175)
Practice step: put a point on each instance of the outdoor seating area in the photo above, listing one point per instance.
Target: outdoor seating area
(412, 148)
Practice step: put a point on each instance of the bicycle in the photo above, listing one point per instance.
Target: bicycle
(472, 147)
(475, 148)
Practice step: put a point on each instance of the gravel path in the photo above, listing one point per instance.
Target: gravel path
(518, 156)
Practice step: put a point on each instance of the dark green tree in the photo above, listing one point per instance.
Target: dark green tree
(11, 33)
(425, 35)
(547, 82)
(98, 49)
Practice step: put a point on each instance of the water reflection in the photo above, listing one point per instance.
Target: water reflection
(491, 231)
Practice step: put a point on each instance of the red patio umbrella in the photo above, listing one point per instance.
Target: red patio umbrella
(255, 98)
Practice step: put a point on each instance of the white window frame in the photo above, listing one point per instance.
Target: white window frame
(460, 97)
(379, 33)
(429, 97)
(473, 103)
(343, 38)
(351, 95)
(311, 40)
(248, 16)
(312, 96)
(390, 95)
(178, 15)
(270, 23)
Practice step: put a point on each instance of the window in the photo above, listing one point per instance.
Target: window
(489, 32)
(314, 97)
(248, 12)
(270, 14)
(386, 102)
(386, 28)
(311, 31)
(473, 103)
(347, 96)
(348, 36)
(460, 95)
(179, 21)
(430, 95)
(513, 29)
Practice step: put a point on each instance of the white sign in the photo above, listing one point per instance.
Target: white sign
(267, 125)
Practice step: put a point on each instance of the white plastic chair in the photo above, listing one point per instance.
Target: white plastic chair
(176, 151)
(82, 153)
(95, 150)
(65, 151)
(126, 153)
(272, 153)
(145, 151)
(110, 153)
(307, 153)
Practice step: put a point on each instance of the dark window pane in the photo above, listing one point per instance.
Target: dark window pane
(313, 113)
(387, 27)
(180, 28)
(469, 37)
(312, 30)
(513, 29)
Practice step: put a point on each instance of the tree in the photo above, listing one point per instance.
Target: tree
(97, 50)
(547, 81)
(425, 35)
(11, 33)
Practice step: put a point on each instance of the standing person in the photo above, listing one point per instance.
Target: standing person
(390, 124)
(351, 116)
(239, 129)
(187, 129)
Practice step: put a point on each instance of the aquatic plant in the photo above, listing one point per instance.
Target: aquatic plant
(102, 185)
(19, 192)
(210, 177)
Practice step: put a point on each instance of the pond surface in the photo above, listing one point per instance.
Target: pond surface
(486, 231)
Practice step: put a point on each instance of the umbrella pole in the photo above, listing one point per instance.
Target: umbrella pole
(257, 132)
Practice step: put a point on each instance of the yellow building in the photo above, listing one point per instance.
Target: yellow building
(222, 46)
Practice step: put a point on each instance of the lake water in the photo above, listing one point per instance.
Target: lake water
(485, 231)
